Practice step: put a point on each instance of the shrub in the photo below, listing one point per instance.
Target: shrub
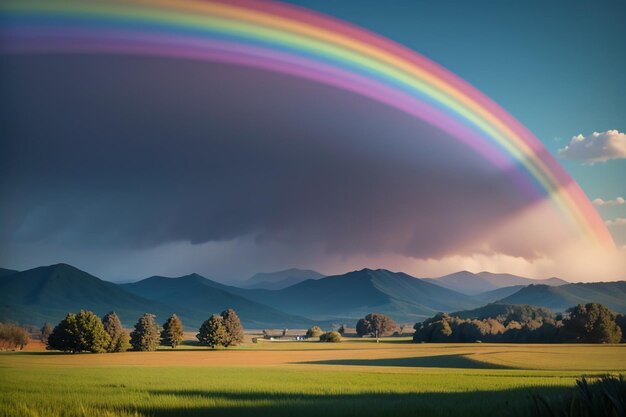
(600, 398)
(12, 337)
(314, 331)
(330, 337)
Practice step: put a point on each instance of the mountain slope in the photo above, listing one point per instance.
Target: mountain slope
(506, 312)
(464, 282)
(469, 283)
(6, 272)
(205, 297)
(358, 293)
(281, 279)
(611, 294)
(48, 293)
(508, 280)
(497, 294)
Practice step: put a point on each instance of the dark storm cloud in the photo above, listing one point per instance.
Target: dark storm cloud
(134, 153)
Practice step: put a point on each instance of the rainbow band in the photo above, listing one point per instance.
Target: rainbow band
(302, 43)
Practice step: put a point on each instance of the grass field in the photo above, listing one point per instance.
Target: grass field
(355, 377)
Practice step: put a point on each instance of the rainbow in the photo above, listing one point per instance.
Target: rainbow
(286, 39)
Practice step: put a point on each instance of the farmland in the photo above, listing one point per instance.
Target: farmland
(355, 377)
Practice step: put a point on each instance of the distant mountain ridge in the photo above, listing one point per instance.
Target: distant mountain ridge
(48, 293)
(280, 279)
(469, 283)
(611, 294)
(357, 293)
(497, 294)
(205, 297)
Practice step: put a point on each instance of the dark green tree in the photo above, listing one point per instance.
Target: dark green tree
(45, 332)
(314, 331)
(375, 324)
(362, 327)
(120, 339)
(591, 323)
(82, 332)
(233, 327)
(64, 336)
(620, 320)
(434, 329)
(146, 336)
(441, 332)
(172, 334)
(212, 332)
(91, 333)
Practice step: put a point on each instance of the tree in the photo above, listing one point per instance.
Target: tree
(13, 337)
(620, 320)
(314, 331)
(233, 327)
(212, 332)
(120, 340)
(434, 329)
(375, 324)
(330, 337)
(82, 332)
(64, 335)
(91, 333)
(172, 334)
(441, 332)
(362, 327)
(146, 336)
(45, 332)
(591, 323)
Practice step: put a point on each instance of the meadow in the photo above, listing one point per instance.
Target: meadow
(355, 377)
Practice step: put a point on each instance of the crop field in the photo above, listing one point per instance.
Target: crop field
(355, 377)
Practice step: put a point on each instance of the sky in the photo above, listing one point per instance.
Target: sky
(128, 167)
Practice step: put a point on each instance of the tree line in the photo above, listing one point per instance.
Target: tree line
(86, 332)
(374, 325)
(584, 323)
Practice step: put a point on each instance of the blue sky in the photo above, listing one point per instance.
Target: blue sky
(557, 66)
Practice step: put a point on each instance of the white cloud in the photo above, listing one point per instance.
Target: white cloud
(620, 221)
(616, 202)
(597, 147)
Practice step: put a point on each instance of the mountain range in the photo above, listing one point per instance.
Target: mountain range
(281, 279)
(611, 294)
(472, 284)
(357, 293)
(48, 293)
(203, 297)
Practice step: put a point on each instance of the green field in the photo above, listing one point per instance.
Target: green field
(394, 378)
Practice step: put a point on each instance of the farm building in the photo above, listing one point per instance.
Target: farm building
(284, 334)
